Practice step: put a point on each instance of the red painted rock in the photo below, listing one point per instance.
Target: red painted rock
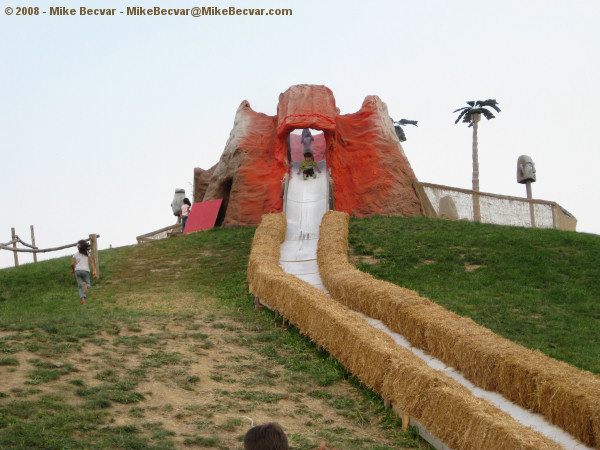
(371, 175)
(306, 106)
(248, 175)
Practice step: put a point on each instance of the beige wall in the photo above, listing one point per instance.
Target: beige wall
(496, 209)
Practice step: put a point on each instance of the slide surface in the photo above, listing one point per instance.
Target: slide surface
(306, 203)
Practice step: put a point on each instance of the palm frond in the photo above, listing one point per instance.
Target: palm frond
(461, 115)
(400, 133)
(408, 122)
(476, 107)
(490, 103)
(487, 114)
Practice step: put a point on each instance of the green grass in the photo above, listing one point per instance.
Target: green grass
(41, 314)
(9, 362)
(536, 287)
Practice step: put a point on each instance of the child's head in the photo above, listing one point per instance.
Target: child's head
(83, 247)
(186, 201)
(306, 132)
(268, 436)
(308, 156)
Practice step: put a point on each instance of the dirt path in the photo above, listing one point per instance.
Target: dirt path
(199, 382)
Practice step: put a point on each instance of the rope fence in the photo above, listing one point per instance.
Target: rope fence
(32, 248)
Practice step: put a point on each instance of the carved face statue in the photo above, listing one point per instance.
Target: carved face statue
(525, 169)
(177, 201)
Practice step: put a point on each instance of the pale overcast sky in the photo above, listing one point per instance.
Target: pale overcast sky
(103, 117)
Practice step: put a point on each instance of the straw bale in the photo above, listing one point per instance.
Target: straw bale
(360, 290)
(528, 378)
(567, 396)
(374, 358)
(360, 350)
(346, 336)
(449, 411)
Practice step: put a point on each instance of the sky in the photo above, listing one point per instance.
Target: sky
(103, 117)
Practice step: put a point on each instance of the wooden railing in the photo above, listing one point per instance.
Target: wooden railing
(32, 248)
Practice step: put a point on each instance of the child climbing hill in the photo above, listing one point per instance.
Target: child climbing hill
(80, 267)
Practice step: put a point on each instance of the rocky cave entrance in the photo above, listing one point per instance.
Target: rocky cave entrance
(224, 192)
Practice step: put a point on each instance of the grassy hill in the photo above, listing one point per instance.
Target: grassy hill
(539, 288)
(170, 353)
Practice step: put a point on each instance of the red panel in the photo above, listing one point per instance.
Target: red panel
(203, 216)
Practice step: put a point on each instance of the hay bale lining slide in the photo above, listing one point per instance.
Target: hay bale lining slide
(565, 395)
(442, 405)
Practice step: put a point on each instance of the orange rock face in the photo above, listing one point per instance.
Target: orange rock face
(371, 175)
(248, 175)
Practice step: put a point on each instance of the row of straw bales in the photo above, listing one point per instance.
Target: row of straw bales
(565, 395)
(443, 406)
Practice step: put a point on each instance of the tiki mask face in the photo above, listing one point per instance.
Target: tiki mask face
(177, 201)
(525, 169)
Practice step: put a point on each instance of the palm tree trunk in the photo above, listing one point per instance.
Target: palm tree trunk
(476, 208)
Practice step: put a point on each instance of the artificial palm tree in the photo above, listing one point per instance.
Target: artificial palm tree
(399, 130)
(472, 115)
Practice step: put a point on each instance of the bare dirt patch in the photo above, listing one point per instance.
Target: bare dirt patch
(179, 367)
(198, 380)
(472, 267)
(356, 260)
(162, 301)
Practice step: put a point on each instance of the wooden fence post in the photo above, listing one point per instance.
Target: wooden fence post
(94, 245)
(33, 243)
(405, 421)
(531, 209)
(14, 237)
